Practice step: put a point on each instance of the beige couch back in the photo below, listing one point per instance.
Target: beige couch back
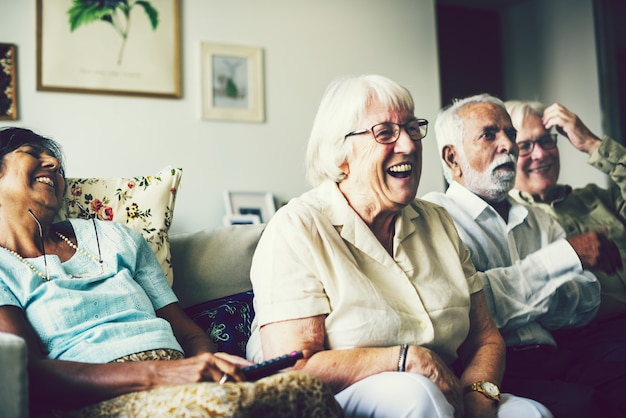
(213, 263)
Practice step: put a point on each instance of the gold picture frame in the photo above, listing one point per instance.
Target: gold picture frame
(8, 82)
(122, 48)
(232, 82)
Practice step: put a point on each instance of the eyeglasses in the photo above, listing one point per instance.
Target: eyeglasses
(546, 142)
(389, 132)
(98, 260)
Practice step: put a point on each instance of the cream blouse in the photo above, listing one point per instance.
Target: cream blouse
(318, 257)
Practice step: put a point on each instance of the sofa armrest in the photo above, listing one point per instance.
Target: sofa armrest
(13, 376)
(213, 263)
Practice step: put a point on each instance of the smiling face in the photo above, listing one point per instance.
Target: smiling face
(31, 177)
(537, 172)
(382, 177)
(487, 160)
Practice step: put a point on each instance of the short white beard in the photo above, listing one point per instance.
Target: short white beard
(490, 185)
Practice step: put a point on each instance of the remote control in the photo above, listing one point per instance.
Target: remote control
(269, 367)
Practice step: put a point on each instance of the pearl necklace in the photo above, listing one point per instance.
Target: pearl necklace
(23, 260)
(68, 242)
(80, 250)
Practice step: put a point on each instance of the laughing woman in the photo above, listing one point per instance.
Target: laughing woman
(373, 281)
(99, 318)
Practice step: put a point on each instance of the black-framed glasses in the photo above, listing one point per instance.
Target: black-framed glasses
(389, 132)
(546, 142)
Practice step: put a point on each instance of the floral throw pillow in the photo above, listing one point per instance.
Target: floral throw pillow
(145, 204)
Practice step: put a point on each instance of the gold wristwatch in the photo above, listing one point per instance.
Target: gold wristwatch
(490, 390)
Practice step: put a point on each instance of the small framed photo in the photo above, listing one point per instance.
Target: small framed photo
(8, 84)
(232, 82)
(260, 204)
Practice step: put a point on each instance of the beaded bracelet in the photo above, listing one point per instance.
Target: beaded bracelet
(404, 348)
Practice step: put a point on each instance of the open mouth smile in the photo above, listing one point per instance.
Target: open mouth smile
(403, 170)
(45, 180)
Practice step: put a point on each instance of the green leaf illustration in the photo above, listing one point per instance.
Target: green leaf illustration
(114, 12)
(152, 13)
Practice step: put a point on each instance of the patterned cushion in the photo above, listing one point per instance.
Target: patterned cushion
(226, 320)
(145, 204)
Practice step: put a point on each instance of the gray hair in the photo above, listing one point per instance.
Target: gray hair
(345, 102)
(449, 126)
(519, 109)
(11, 138)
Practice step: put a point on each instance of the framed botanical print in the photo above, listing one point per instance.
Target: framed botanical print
(109, 47)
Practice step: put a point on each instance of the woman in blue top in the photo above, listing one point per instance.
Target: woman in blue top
(98, 315)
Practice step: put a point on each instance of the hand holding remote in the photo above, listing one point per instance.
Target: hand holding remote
(272, 366)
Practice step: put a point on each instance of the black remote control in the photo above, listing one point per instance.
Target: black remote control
(269, 367)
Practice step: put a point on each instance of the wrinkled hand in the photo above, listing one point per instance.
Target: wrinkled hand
(597, 251)
(425, 362)
(205, 367)
(570, 126)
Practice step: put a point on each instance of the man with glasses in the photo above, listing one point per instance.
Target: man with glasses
(590, 208)
(534, 276)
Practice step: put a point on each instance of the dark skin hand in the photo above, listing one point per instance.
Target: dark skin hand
(597, 251)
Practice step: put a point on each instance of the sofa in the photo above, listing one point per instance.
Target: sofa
(208, 269)
(212, 281)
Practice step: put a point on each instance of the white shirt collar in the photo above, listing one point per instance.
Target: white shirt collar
(475, 205)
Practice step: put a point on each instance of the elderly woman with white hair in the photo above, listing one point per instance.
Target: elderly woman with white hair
(372, 284)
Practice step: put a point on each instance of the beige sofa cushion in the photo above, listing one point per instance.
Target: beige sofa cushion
(213, 263)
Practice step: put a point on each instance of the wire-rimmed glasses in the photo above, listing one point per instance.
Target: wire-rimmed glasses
(98, 260)
(546, 142)
(389, 132)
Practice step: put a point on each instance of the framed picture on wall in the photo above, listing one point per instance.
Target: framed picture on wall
(8, 84)
(257, 204)
(232, 82)
(109, 47)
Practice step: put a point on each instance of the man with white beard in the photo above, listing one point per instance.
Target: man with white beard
(535, 278)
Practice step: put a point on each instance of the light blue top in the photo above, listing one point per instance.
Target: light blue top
(101, 317)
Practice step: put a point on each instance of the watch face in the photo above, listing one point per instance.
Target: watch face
(491, 389)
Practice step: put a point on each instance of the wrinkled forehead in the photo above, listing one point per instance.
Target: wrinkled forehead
(487, 112)
(477, 118)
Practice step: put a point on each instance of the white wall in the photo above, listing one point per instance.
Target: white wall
(306, 44)
(550, 55)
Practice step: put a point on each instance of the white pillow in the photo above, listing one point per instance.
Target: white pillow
(145, 204)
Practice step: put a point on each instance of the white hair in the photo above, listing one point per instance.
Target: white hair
(449, 125)
(519, 109)
(345, 102)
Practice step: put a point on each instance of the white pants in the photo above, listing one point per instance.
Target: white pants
(398, 395)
